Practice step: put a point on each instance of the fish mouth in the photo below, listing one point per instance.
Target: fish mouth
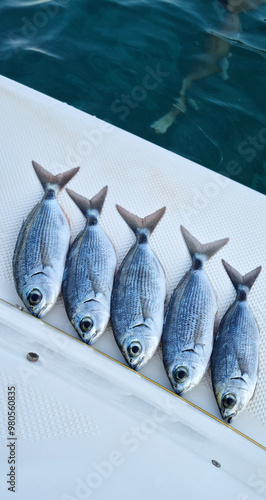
(84, 338)
(89, 339)
(41, 312)
(136, 364)
(229, 418)
(93, 338)
(180, 391)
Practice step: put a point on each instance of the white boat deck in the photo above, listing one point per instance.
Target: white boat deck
(77, 408)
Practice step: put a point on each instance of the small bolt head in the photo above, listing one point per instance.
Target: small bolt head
(21, 308)
(32, 356)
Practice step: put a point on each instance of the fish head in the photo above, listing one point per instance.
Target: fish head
(185, 372)
(232, 397)
(138, 346)
(90, 320)
(39, 296)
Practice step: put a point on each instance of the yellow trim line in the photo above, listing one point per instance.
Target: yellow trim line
(147, 378)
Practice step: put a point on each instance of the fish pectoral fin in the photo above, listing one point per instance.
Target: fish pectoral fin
(148, 322)
(91, 299)
(142, 322)
(197, 348)
(189, 348)
(39, 272)
(46, 261)
(96, 296)
(242, 376)
(88, 300)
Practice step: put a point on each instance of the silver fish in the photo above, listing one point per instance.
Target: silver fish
(190, 319)
(42, 245)
(236, 350)
(139, 294)
(89, 273)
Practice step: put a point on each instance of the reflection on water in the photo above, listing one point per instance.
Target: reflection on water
(213, 60)
(126, 61)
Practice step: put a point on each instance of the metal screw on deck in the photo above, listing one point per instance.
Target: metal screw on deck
(21, 308)
(32, 356)
(215, 463)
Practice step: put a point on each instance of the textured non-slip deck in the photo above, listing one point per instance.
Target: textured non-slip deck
(142, 178)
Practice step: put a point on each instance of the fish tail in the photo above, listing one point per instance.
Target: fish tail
(135, 222)
(84, 204)
(58, 181)
(207, 249)
(237, 279)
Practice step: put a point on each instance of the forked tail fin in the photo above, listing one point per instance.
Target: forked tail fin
(135, 222)
(57, 181)
(237, 279)
(207, 250)
(84, 204)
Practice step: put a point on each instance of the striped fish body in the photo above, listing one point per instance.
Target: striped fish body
(41, 249)
(138, 297)
(236, 352)
(187, 338)
(188, 330)
(88, 278)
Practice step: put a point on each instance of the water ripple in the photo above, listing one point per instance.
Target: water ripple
(43, 51)
(97, 56)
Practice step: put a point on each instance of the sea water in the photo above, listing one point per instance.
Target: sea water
(124, 61)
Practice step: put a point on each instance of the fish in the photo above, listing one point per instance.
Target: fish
(235, 354)
(42, 245)
(137, 305)
(89, 272)
(190, 319)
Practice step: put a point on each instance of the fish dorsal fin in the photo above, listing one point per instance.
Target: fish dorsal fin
(237, 279)
(50, 180)
(84, 204)
(135, 222)
(207, 250)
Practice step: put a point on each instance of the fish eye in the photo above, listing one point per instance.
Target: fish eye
(34, 297)
(134, 349)
(86, 324)
(229, 400)
(181, 374)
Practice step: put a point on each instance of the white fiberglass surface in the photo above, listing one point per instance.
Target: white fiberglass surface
(142, 178)
(88, 428)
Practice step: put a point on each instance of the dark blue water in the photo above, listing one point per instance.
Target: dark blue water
(124, 61)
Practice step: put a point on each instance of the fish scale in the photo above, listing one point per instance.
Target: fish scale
(193, 311)
(138, 296)
(42, 245)
(90, 247)
(236, 335)
(48, 238)
(89, 272)
(189, 322)
(133, 268)
(140, 272)
(189, 316)
(236, 350)
(80, 272)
